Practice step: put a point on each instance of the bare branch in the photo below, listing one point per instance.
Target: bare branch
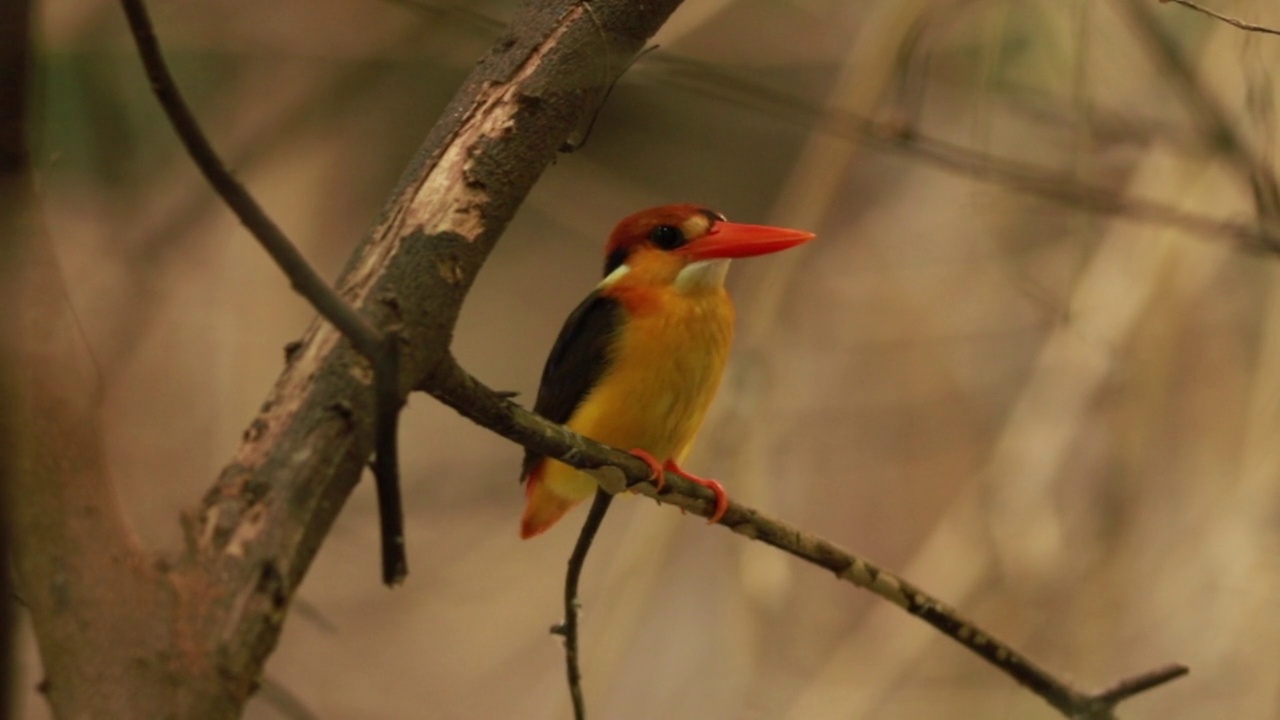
(569, 628)
(1237, 22)
(471, 398)
(1129, 687)
(304, 278)
(387, 403)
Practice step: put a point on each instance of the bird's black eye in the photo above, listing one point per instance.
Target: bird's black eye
(667, 237)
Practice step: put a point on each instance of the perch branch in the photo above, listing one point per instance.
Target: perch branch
(454, 387)
(381, 350)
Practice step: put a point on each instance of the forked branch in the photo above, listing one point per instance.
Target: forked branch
(454, 387)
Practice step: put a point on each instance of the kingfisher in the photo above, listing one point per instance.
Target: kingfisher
(637, 364)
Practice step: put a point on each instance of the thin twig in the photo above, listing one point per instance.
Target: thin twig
(305, 280)
(308, 611)
(386, 463)
(1141, 683)
(1237, 22)
(284, 700)
(569, 628)
(148, 256)
(609, 79)
(381, 350)
(453, 386)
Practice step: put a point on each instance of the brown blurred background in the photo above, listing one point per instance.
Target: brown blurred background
(1062, 423)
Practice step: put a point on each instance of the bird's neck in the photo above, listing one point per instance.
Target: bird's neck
(702, 276)
(698, 278)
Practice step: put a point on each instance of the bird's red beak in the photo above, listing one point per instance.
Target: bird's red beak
(735, 240)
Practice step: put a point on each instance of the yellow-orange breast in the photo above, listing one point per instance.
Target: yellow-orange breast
(665, 367)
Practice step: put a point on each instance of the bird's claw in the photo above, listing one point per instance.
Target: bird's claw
(656, 476)
(722, 498)
(655, 468)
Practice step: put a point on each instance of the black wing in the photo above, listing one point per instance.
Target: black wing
(577, 362)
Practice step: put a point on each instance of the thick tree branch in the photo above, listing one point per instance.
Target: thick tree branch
(257, 530)
(453, 386)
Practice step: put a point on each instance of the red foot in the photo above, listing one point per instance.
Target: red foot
(722, 498)
(655, 467)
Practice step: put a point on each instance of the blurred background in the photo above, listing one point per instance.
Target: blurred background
(1062, 423)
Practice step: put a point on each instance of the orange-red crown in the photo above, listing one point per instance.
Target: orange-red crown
(665, 227)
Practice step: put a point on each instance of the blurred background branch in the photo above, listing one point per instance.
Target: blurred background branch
(15, 180)
(83, 578)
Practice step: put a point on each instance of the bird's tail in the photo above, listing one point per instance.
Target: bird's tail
(545, 503)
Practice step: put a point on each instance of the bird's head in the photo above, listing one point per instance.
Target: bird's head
(687, 246)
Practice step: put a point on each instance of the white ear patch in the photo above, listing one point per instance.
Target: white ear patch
(696, 226)
(702, 275)
(614, 276)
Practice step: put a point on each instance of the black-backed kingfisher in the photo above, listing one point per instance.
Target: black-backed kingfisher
(638, 362)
